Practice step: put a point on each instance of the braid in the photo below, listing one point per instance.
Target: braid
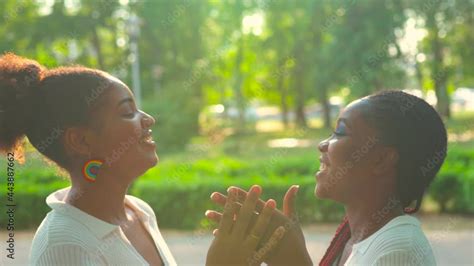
(338, 242)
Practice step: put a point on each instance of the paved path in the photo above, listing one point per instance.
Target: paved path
(452, 240)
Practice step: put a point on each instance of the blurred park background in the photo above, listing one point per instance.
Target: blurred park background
(244, 90)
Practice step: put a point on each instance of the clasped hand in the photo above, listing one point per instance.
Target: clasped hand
(236, 242)
(291, 249)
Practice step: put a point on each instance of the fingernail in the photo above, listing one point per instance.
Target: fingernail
(232, 191)
(271, 203)
(214, 196)
(297, 188)
(208, 213)
(228, 189)
(256, 189)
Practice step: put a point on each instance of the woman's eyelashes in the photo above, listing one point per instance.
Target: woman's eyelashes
(130, 114)
(340, 130)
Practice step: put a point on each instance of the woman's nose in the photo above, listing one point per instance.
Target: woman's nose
(323, 146)
(148, 119)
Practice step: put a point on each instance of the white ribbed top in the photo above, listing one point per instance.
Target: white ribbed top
(70, 236)
(400, 242)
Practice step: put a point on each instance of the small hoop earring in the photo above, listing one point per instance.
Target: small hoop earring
(91, 169)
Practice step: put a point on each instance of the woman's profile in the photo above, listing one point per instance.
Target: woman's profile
(385, 151)
(104, 145)
(95, 112)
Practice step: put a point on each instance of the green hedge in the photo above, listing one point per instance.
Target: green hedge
(453, 187)
(183, 206)
(178, 190)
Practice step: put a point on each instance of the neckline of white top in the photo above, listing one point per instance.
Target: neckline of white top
(404, 219)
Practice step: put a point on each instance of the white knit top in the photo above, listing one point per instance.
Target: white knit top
(399, 242)
(70, 236)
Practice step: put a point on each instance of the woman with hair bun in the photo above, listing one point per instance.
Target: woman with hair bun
(93, 221)
(86, 121)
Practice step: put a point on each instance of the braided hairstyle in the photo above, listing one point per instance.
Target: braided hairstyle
(41, 103)
(416, 130)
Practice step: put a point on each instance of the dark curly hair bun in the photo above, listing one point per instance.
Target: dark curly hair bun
(19, 79)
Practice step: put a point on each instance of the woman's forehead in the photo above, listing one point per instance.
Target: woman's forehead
(352, 112)
(118, 91)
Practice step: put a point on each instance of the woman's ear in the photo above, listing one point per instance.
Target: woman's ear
(77, 141)
(387, 160)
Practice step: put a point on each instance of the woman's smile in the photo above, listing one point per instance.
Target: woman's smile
(147, 139)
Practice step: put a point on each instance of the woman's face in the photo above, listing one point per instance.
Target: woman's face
(348, 157)
(124, 140)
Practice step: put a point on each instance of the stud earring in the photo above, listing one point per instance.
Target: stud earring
(91, 169)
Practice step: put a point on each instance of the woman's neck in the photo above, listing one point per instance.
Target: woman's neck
(368, 216)
(102, 199)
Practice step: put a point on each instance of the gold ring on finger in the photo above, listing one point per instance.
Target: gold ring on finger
(255, 237)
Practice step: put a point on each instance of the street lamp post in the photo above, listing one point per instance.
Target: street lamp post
(134, 32)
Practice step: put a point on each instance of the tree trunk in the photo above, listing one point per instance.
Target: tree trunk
(439, 76)
(326, 108)
(283, 100)
(419, 77)
(298, 78)
(238, 88)
(299, 104)
(438, 72)
(97, 48)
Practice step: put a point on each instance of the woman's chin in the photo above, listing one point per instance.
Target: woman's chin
(150, 161)
(154, 160)
(320, 191)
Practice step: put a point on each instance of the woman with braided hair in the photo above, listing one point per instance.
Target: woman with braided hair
(379, 162)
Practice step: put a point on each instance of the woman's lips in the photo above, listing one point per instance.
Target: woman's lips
(323, 165)
(147, 138)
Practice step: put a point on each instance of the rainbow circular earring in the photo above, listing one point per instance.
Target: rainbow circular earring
(91, 169)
